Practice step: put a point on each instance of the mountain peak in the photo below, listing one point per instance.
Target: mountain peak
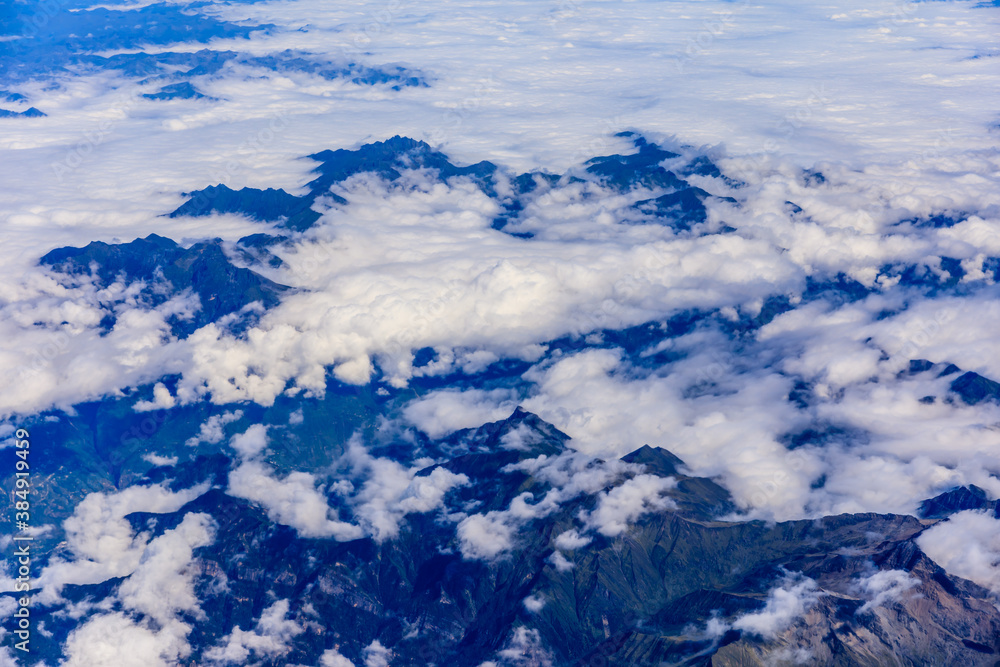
(657, 460)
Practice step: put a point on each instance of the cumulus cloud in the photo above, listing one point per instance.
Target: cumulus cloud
(251, 442)
(560, 562)
(294, 500)
(534, 603)
(571, 474)
(158, 460)
(524, 648)
(115, 639)
(333, 658)
(485, 536)
(391, 491)
(572, 540)
(102, 541)
(444, 412)
(622, 505)
(211, 431)
(159, 590)
(785, 604)
(884, 586)
(162, 400)
(966, 545)
(269, 639)
(162, 585)
(376, 655)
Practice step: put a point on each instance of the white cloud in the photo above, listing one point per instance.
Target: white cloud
(160, 588)
(162, 400)
(786, 603)
(158, 460)
(115, 639)
(333, 658)
(102, 541)
(269, 639)
(294, 500)
(162, 584)
(524, 648)
(377, 655)
(391, 491)
(622, 505)
(572, 540)
(251, 442)
(884, 586)
(485, 536)
(967, 545)
(560, 562)
(444, 412)
(534, 603)
(211, 431)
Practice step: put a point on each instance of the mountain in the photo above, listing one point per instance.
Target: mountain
(383, 158)
(586, 573)
(29, 113)
(165, 270)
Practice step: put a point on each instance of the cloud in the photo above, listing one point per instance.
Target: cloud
(159, 589)
(162, 585)
(376, 655)
(162, 400)
(967, 545)
(269, 639)
(571, 474)
(534, 603)
(560, 562)
(115, 639)
(622, 505)
(884, 586)
(485, 536)
(102, 542)
(332, 658)
(251, 442)
(294, 500)
(571, 540)
(212, 430)
(391, 491)
(157, 460)
(785, 604)
(444, 412)
(524, 647)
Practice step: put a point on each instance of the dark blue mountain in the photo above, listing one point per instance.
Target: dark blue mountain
(639, 597)
(384, 158)
(177, 91)
(207, 62)
(640, 169)
(167, 270)
(681, 209)
(959, 499)
(973, 388)
(266, 205)
(30, 113)
(60, 38)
